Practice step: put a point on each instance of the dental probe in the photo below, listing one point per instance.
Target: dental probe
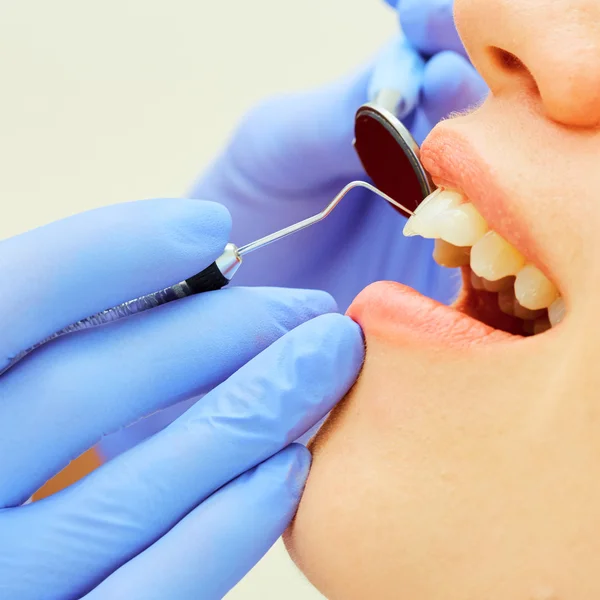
(220, 273)
(390, 157)
(269, 239)
(214, 277)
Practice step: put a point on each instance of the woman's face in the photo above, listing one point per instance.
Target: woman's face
(465, 464)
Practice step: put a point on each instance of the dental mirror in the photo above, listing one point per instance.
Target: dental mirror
(390, 156)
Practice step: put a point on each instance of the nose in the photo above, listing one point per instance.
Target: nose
(546, 49)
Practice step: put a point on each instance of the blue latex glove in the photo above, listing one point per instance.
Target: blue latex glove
(292, 154)
(187, 513)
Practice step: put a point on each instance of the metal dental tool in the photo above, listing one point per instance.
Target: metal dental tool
(390, 157)
(220, 273)
(269, 239)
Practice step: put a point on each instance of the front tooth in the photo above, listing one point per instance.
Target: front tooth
(556, 311)
(533, 289)
(424, 220)
(440, 198)
(450, 256)
(493, 258)
(461, 226)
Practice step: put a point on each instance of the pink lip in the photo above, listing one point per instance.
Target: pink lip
(454, 162)
(396, 312)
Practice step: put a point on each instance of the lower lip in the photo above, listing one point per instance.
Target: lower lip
(396, 312)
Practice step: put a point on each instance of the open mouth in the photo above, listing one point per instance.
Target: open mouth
(500, 287)
(506, 294)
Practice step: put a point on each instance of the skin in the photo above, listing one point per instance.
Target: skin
(471, 472)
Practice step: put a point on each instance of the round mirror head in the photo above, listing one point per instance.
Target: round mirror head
(390, 156)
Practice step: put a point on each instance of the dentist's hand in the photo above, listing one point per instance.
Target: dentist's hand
(187, 513)
(292, 154)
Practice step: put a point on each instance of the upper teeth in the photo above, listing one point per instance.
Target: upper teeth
(533, 289)
(494, 258)
(462, 226)
(463, 236)
(424, 221)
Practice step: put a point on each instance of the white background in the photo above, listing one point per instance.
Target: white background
(109, 101)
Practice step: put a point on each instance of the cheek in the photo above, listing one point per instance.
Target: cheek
(333, 527)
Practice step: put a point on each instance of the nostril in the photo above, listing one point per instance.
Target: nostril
(507, 61)
(512, 66)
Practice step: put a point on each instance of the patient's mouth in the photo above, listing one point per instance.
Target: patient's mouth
(498, 281)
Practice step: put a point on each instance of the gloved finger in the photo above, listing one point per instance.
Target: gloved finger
(397, 76)
(96, 526)
(291, 144)
(211, 549)
(450, 84)
(103, 379)
(299, 143)
(68, 270)
(429, 25)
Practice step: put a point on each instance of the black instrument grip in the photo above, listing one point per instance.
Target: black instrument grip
(209, 280)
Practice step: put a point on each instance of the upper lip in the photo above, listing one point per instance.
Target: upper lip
(453, 162)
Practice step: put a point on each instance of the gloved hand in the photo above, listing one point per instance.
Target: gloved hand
(187, 513)
(292, 154)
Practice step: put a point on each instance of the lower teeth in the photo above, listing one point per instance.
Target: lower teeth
(450, 256)
(500, 285)
(534, 321)
(526, 314)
